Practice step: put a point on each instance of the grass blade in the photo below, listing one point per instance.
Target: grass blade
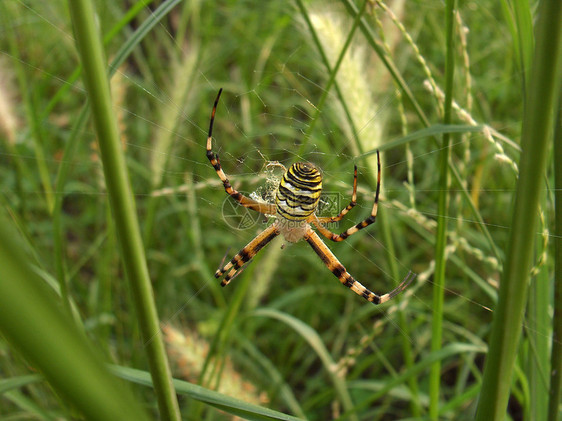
(140, 33)
(537, 125)
(33, 323)
(121, 200)
(314, 340)
(556, 350)
(16, 382)
(218, 400)
(440, 355)
(442, 219)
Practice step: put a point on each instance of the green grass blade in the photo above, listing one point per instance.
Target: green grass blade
(537, 324)
(140, 33)
(315, 342)
(556, 349)
(62, 174)
(69, 150)
(32, 408)
(17, 382)
(121, 200)
(425, 133)
(387, 230)
(276, 378)
(536, 129)
(442, 219)
(518, 16)
(33, 323)
(440, 355)
(225, 403)
(62, 93)
(30, 99)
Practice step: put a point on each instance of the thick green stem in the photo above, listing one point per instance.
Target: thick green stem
(443, 209)
(121, 199)
(536, 133)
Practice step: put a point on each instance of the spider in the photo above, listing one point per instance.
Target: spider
(296, 201)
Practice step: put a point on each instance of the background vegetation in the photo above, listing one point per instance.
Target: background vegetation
(328, 82)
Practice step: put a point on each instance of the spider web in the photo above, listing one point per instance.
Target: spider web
(276, 117)
(281, 135)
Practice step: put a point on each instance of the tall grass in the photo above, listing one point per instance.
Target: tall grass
(326, 82)
(556, 347)
(96, 79)
(536, 138)
(443, 212)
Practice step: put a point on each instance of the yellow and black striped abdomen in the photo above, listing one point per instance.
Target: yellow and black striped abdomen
(299, 191)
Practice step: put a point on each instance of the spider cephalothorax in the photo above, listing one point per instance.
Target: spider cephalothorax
(296, 201)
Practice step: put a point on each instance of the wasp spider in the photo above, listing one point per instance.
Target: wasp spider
(296, 201)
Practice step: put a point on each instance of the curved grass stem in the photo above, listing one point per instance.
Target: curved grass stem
(95, 76)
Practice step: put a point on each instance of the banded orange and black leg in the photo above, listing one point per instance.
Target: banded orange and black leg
(352, 203)
(363, 224)
(215, 162)
(233, 267)
(332, 263)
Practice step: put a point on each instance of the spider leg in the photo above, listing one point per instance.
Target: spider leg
(371, 219)
(246, 254)
(332, 262)
(264, 208)
(352, 203)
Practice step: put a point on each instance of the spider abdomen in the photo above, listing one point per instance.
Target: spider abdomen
(299, 191)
